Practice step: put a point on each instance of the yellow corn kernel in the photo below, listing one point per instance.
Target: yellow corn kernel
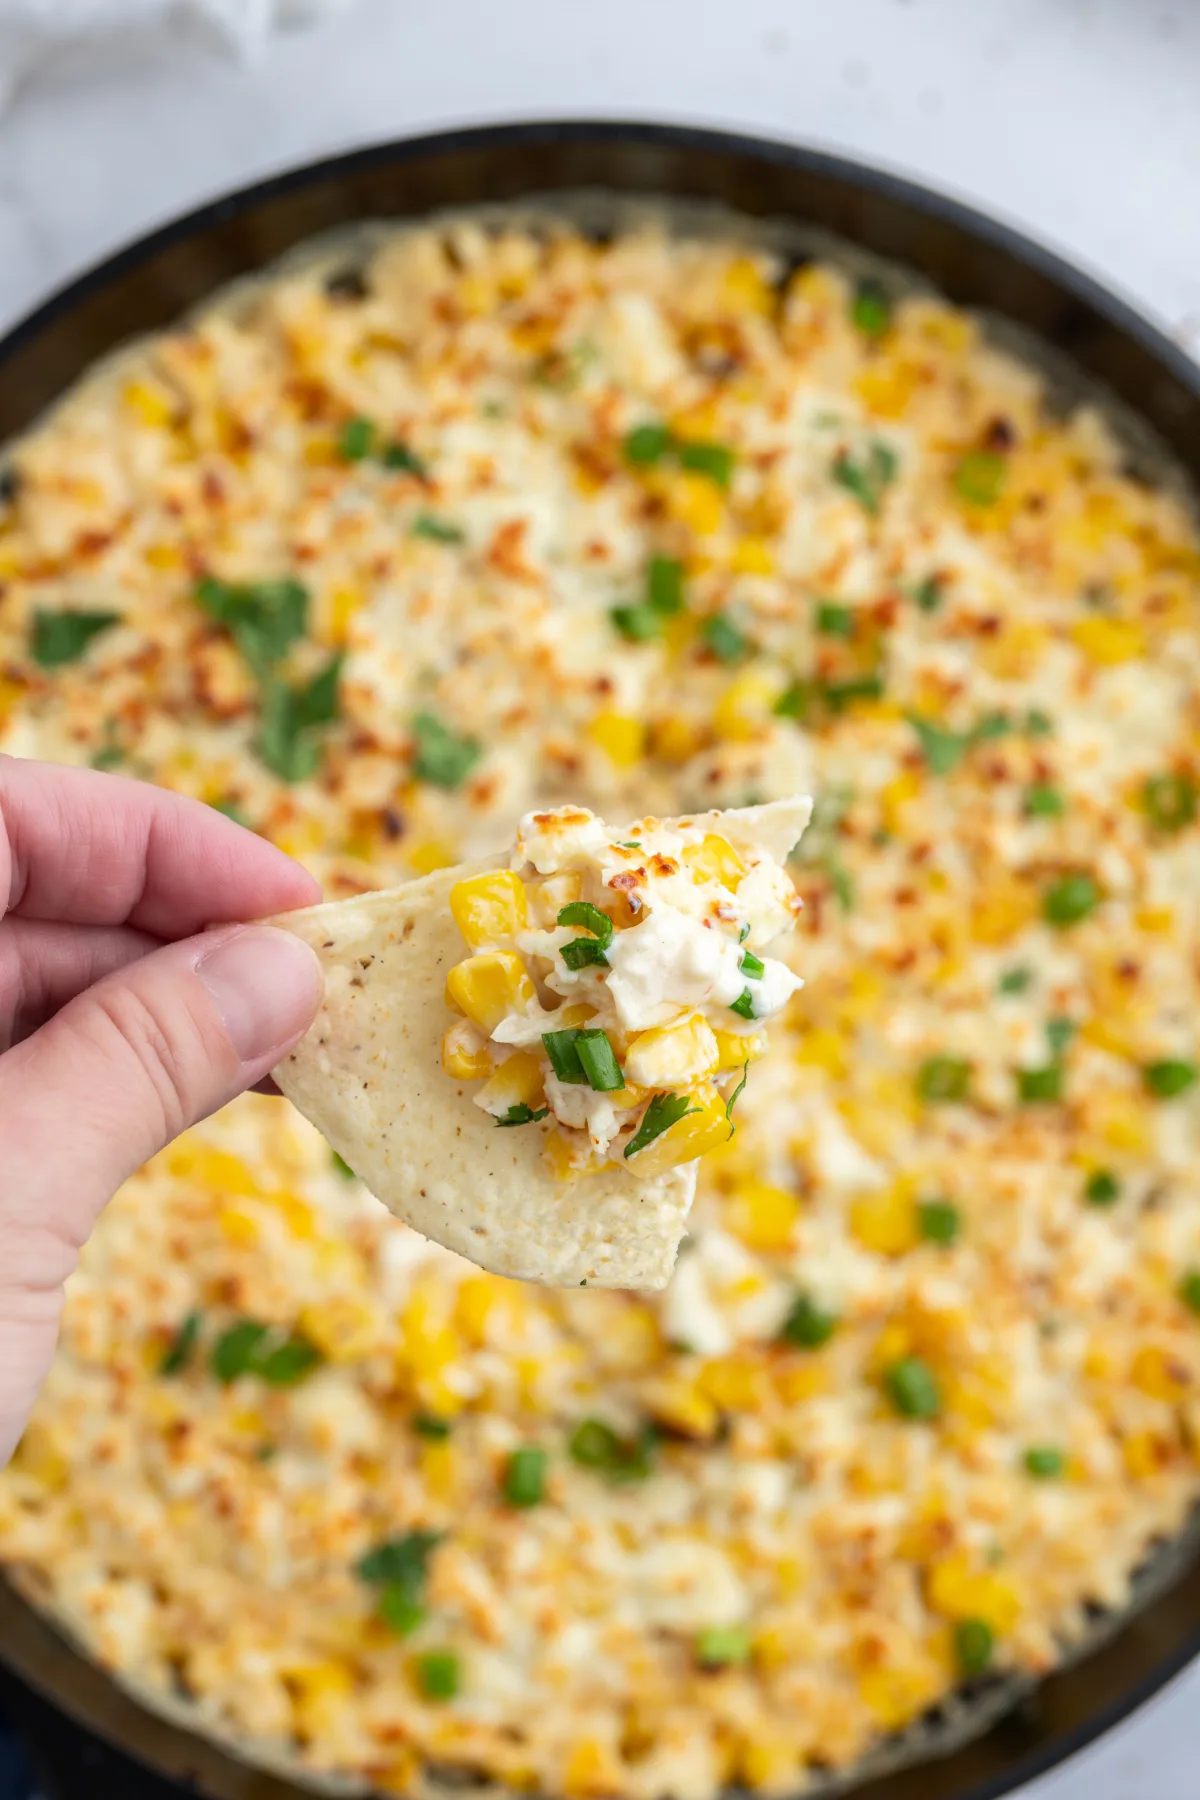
(403, 1773)
(694, 501)
(886, 387)
(238, 1226)
(1107, 641)
(38, 1456)
(1125, 1122)
(672, 1056)
(319, 1694)
(895, 799)
(698, 1132)
(464, 1058)
(488, 986)
(790, 1641)
(216, 1170)
(489, 908)
(569, 1156)
(547, 898)
(823, 1048)
(886, 1222)
(1005, 907)
(768, 1759)
(674, 739)
(431, 854)
(753, 557)
(733, 1051)
(298, 1215)
(342, 1326)
(340, 609)
(958, 1591)
(1015, 651)
(164, 556)
(747, 288)
(941, 325)
(803, 1379)
(517, 1082)
(736, 1383)
(488, 1303)
(762, 1216)
(714, 859)
(895, 1695)
(1160, 1375)
(744, 710)
(621, 737)
(321, 452)
(680, 1405)
(153, 405)
(1144, 1454)
(593, 1770)
(1159, 921)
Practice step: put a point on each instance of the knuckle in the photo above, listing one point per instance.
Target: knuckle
(168, 1053)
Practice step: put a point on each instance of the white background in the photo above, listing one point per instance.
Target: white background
(1079, 119)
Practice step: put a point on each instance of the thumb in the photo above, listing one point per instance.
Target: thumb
(113, 1077)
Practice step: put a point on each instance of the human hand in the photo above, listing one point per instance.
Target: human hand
(119, 1026)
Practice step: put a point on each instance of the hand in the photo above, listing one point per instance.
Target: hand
(119, 1026)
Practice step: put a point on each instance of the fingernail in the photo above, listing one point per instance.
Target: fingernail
(265, 985)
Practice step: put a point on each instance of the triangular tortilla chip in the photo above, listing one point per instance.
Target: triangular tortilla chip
(369, 1076)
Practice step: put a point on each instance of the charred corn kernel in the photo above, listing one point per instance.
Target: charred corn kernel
(672, 1056)
(1159, 1374)
(1108, 641)
(1004, 907)
(895, 799)
(342, 606)
(696, 502)
(431, 854)
(713, 859)
(733, 1052)
(487, 986)
(489, 908)
(958, 1591)
(153, 405)
(762, 1216)
(896, 1694)
(240, 1227)
(694, 1135)
(753, 557)
(464, 1056)
(823, 1048)
(517, 1082)
(681, 1405)
(321, 452)
(747, 288)
(1144, 1454)
(735, 1383)
(621, 737)
(886, 1222)
(674, 739)
(344, 1327)
(744, 710)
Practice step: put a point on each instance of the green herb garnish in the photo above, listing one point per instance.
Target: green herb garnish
(582, 953)
(639, 623)
(62, 637)
(1014, 981)
(1040, 1087)
(440, 756)
(264, 618)
(599, 1062)
(727, 643)
(1070, 899)
(928, 593)
(664, 585)
(1189, 1290)
(839, 694)
(714, 460)
(178, 1353)
(342, 1167)
(520, 1113)
(430, 1427)
(525, 1476)
(1044, 1462)
(356, 440)
(663, 1111)
(943, 750)
(808, 1325)
(835, 621)
(593, 1444)
(437, 531)
(399, 1611)
(939, 1221)
(912, 1388)
(564, 1057)
(736, 1096)
(871, 310)
(399, 457)
(1168, 1078)
(402, 1561)
(721, 1646)
(1044, 802)
(250, 1348)
(1038, 723)
(1101, 1188)
(795, 701)
(980, 477)
(1059, 1033)
(867, 478)
(1170, 801)
(290, 715)
(943, 1079)
(751, 965)
(646, 445)
(438, 1674)
(743, 1005)
(974, 1644)
(583, 913)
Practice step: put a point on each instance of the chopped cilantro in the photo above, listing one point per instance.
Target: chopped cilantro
(795, 701)
(438, 1674)
(939, 1221)
(724, 639)
(398, 456)
(943, 1079)
(178, 1353)
(646, 445)
(1059, 1033)
(403, 1560)
(1189, 1290)
(980, 477)
(871, 310)
(714, 460)
(356, 440)
(1071, 898)
(429, 1426)
(1040, 1087)
(1038, 723)
(440, 756)
(62, 637)
(437, 531)
(290, 715)
(867, 478)
(834, 620)
(1014, 981)
(1168, 1078)
(342, 1167)
(1044, 802)
(664, 584)
(1101, 1188)
(663, 1111)
(928, 593)
(1170, 801)
(808, 1325)
(519, 1113)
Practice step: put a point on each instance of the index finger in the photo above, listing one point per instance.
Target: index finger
(93, 849)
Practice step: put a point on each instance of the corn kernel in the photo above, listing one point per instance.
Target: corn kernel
(1161, 1376)
(489, 908)
(886, 387)
(698, 1132)
(340, 609)
(735, 1383)
(674, 739)
(164, 556)
(217, 1170)
(958, 1591)
(746, 287)
(569, 1156)
(753, 557)
(464, 1057)
(343, 1327)
(319, 1694)
(713, 859)
(681, 1405)
(895, 798)
(696, 502)
(431, 854)
(1159, 921)
(1005, 907)
(517, 1082)
(672, 1056)
(488, 986)
(823, 1048)
(766, 1760)
(744, 710)
(893, 1696)
(238, 1226)
(593, 1770)
(1108, 641)
(486, 1304)
(762, 1216)
(886, 1222)
(733, 1051)
(153, 405)
(1144, 1454)
(621, 737)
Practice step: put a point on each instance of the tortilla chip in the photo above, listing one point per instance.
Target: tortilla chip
(369, 1076)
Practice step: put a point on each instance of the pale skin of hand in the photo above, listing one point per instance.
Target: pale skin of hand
(124, 1017)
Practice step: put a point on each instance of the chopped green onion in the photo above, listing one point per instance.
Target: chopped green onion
(871, 310)
(751, 964)
(250, 1348)
(288, 1362)
(440, 757)
(236, 1349)
(1170, 801)
(928, 593)
(1070, 899)
(646, 445)
(429, 1426)
(62, 637)
(397, 455)
(1059, 1033)
(974, 1644)
(356, 440)
(593, 1444)
(736, 1096)
(1168, 1078)
(839, 694)
(1101, 1188)
(1044, 802)
(582, 953)
(402, 1561)
(583, 913)
(714, 460)
(943, 1078)
(1189, 1290)
(835, 621)
(265, 618)
(663, 1111)
(178, 1353)
(943, 750)
(438, 1674)
(795, 701)
(1014, 981)
(638, 624)
(288, 718)
(564, 1057)
(1044, 1462)
(525, 1476)
(1038, 723)
(980, 477)
(437, 531)
(599, 1061)
(743, 1005)
(939, 1221)
(399, 1610)
(720, 1646)
(664, 585)
(342, 1167)
(912, 1388)
(808, 1325)
(520, 1113)
(990, 726)
(1040, 1087)
(869, 478)
(724, 639)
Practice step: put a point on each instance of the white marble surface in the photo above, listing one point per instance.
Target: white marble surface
(1076, 118)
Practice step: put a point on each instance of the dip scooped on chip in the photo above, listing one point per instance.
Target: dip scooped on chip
(524, 1058)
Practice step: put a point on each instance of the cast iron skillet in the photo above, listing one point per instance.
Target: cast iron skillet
(59, 1696)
